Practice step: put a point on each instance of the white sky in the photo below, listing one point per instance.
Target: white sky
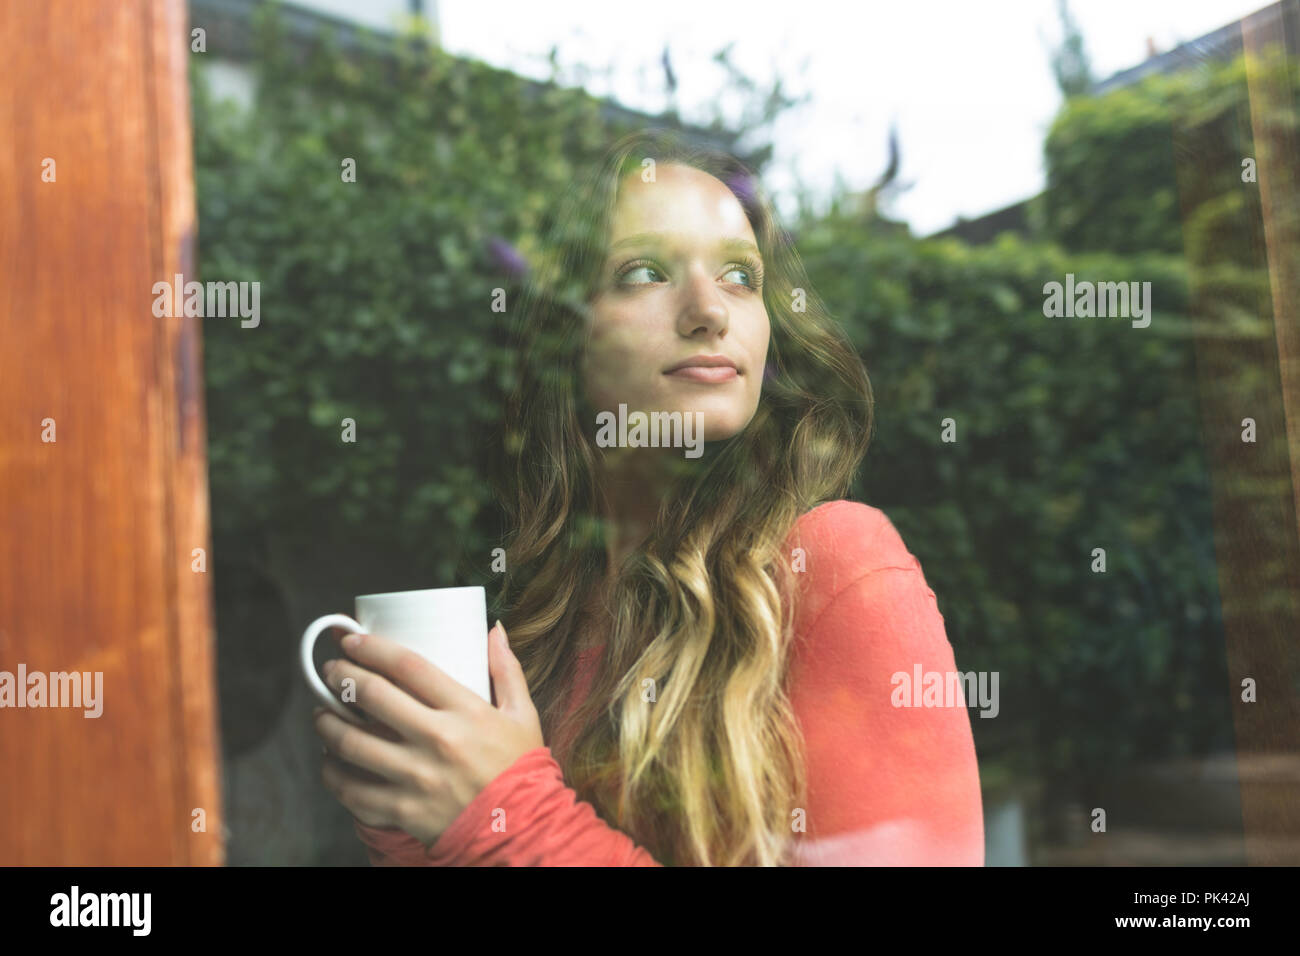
(969, 84)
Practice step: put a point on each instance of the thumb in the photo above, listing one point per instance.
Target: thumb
(508, 683)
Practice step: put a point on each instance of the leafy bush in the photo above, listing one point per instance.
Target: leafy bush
(376, 294)
(1073, 434)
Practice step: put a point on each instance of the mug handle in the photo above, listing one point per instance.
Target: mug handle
(318, 686)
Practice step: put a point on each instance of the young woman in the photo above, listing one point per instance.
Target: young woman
(704, 637)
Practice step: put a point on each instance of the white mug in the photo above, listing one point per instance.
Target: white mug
(447, 626)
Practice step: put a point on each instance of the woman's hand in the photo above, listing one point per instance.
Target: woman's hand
(436, 743)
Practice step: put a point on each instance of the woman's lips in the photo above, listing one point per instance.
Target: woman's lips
(701, 373)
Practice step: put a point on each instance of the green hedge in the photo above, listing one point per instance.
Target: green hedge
(1072, 433)
(376, 294)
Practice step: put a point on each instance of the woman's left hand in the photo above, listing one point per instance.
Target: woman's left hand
(436, 743)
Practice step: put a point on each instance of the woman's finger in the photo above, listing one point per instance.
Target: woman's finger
(368, 723)
(417, 675)
(360, 748)
(373, 803)
(508, 680)
(386, 702)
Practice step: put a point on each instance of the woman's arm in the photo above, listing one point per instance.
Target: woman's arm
(888, 784)
(527, 816)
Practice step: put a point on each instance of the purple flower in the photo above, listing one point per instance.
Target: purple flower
(506, 257)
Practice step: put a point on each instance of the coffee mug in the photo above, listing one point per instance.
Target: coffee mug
(447, 626)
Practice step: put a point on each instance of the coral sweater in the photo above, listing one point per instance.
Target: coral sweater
(887, 785)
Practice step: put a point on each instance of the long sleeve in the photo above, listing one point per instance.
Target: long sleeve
(527, 816)
(889, 783)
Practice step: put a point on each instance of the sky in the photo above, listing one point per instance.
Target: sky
(968, 85)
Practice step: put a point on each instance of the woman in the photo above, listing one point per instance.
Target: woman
(708, 636)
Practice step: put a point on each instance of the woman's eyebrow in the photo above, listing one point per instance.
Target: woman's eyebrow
(735, 244)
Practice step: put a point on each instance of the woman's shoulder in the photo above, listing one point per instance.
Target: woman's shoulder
(836, 544)
(844, 540)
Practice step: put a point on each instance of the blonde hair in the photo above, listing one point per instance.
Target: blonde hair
(710, 772)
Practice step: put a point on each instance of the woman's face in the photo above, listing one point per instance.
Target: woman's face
(681, 279)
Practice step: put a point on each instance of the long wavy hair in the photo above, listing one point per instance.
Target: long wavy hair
(705, 765)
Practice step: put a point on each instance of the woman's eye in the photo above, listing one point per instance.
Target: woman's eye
(748, 280)
(627, 279)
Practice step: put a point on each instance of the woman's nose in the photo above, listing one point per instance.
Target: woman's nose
(704, 307)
